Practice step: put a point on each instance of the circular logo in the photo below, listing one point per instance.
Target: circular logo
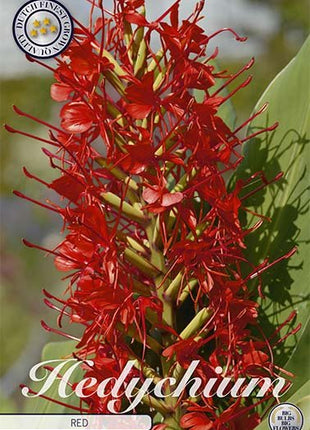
(286, 417)
(43, 28)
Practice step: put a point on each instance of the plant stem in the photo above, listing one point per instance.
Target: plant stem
(157, 259)
(130, 211)
(141, 263)
(196, 324)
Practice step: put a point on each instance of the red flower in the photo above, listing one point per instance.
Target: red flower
(74, 253)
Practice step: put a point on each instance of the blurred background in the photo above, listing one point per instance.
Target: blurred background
(276, 29)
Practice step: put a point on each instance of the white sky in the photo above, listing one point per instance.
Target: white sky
(238, 14)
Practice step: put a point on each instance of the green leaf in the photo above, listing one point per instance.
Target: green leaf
(299, 363)
(286, 202)
(301, 399)
(54, 351)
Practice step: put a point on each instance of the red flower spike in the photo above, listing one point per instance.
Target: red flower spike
(149, 222)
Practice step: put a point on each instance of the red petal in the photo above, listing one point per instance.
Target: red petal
(136, 18)
(82, 65)
(194, 419)
(170, 199)
(138, 111)
(174, 159)
(67, 187)
(60, 92)
(141, 97)
(65, 265)
(258, 358)
(76, 117)
(150, 195)
(174, 15)
(98, 25)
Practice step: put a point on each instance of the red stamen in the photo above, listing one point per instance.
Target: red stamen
(32, 136)
(75, 408)
(271, 128)
(61, 333)
(23, 196)
(33, 118)
(268, 266)
(244, 68)
(223, 30)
